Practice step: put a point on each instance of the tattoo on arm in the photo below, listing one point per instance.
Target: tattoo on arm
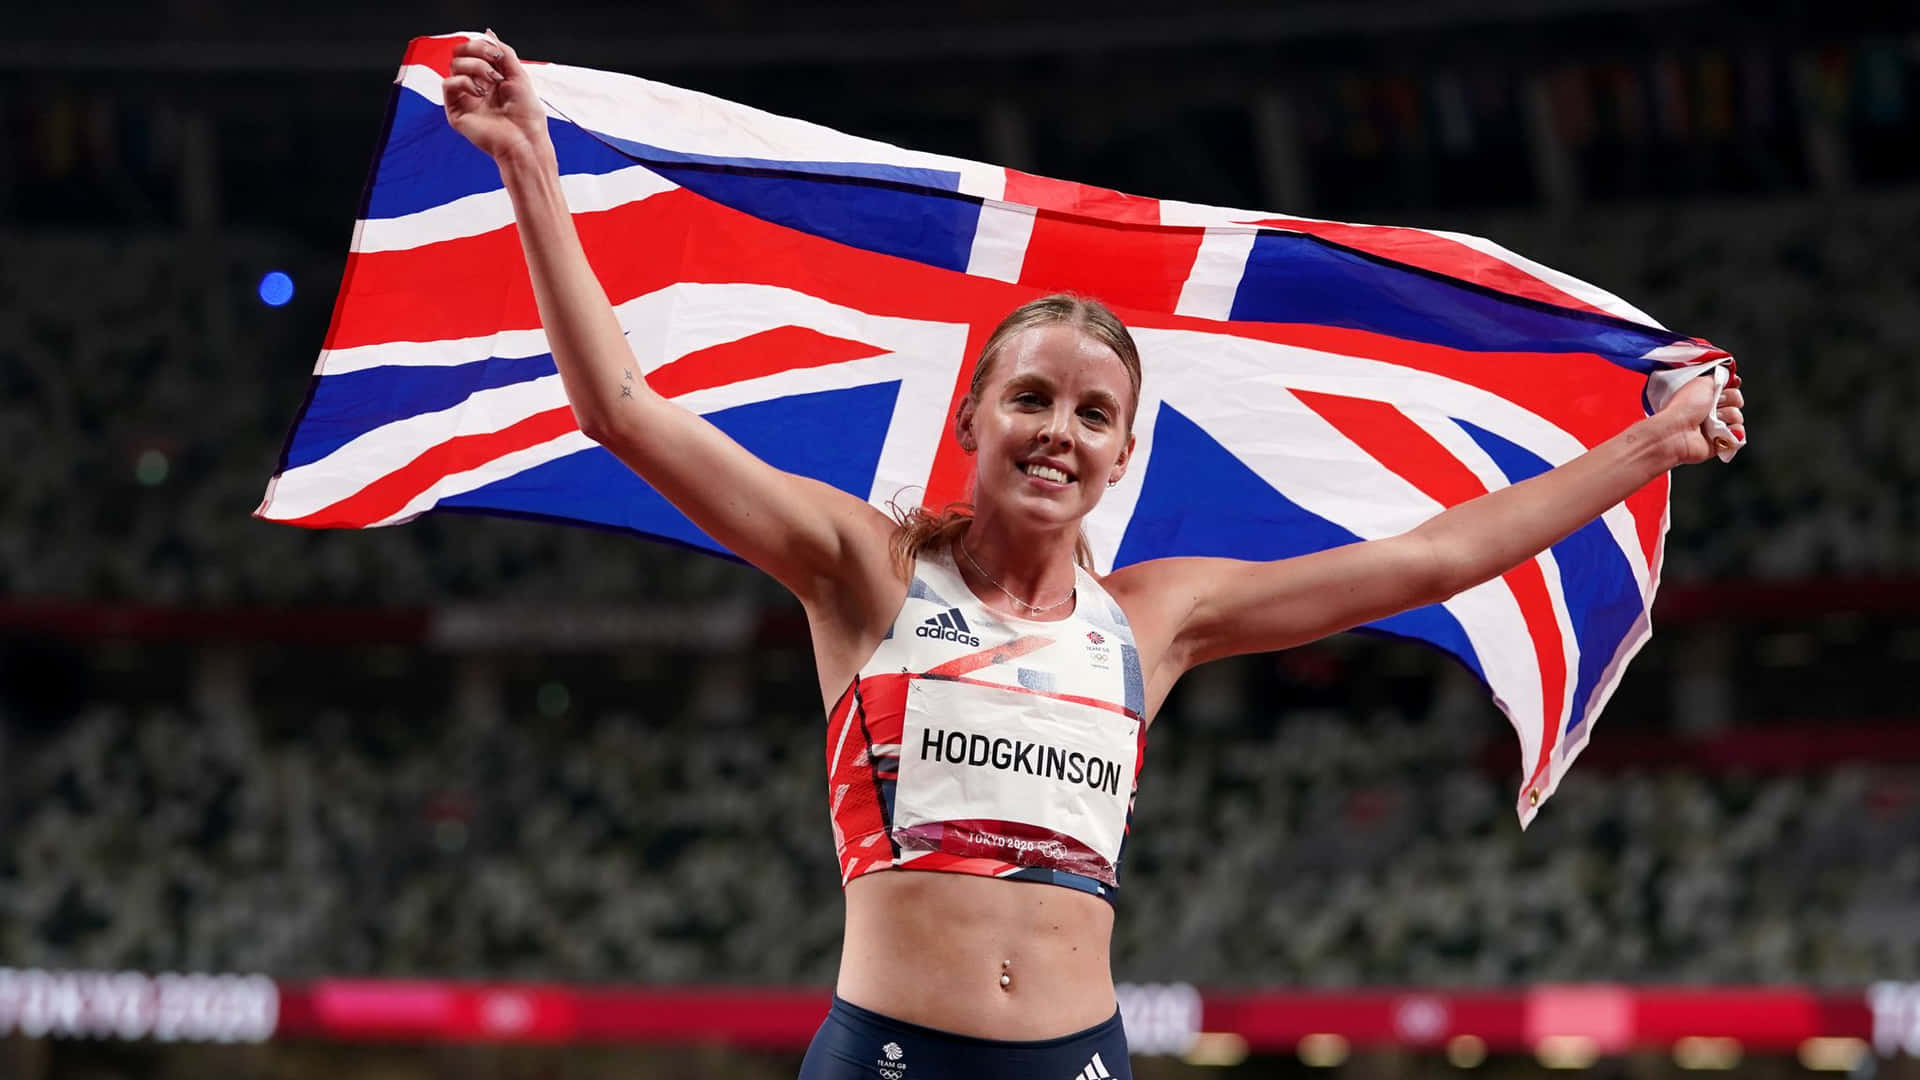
(626, 384)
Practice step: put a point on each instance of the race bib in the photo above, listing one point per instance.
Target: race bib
(980, 755)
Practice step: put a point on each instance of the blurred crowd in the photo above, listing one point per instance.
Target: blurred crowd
(152, 391)
(1315, 845)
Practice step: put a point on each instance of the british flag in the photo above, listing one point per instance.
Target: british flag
(820, 297)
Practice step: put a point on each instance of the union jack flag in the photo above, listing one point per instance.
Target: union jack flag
(821, 297)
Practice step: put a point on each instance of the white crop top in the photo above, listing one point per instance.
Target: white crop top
(978, 743)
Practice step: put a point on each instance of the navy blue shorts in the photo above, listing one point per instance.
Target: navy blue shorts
(855, 1044)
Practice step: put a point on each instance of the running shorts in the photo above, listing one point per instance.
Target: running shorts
(856, 1044)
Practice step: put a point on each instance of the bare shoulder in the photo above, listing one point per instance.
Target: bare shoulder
(1154, 588)
(1158, 596)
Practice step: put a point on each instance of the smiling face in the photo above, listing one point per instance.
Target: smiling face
(1050, 425)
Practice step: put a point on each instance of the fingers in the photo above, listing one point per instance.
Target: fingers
(480, 71)
(1729, 412)
(495, 51)
(471, 56)
(483, 48)
(505, 57)
(483, 57)
(491, 55)
(455, 85)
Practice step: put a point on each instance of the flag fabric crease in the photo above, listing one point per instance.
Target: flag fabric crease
(820, 297)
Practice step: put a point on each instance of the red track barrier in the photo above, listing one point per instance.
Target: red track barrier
(1594, 1020)
(1614, 1018)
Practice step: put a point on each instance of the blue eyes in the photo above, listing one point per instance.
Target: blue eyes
(1029, 399)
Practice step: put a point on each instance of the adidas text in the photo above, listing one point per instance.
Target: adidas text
(949, 625)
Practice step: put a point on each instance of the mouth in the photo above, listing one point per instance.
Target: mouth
(1050, 473)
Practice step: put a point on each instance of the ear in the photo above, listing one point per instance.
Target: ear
(963, 425)
(1120, 466)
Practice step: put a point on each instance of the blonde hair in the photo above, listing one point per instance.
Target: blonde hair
(919, 528)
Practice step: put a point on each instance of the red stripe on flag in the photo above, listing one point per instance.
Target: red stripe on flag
(477, 286)
(437, 53)
(1125, 266)
(1389, 437)
(784, 348)
(1584, 395)
(1067, 197)
(387, 495)
(434, 52)
(1427, 251)
(951, 478)
(1649, 509)
(474, 286)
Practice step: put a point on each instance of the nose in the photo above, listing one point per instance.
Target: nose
(1058, 430)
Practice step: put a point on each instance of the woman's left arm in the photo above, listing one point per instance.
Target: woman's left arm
(1198, 610)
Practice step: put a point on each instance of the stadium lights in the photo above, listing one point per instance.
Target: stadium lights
(1223, 1048)
(1832, 1054)
(1700, 1052)
(1323, 1051)
(1566, 1052)
(1466, 1051)
(276, 288)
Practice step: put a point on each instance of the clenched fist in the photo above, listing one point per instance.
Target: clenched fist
(490, 100)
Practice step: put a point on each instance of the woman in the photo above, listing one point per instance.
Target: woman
(988, 694)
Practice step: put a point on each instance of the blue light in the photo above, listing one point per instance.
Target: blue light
(276, 288)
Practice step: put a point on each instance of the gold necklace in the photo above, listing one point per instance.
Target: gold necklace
(1034, 608)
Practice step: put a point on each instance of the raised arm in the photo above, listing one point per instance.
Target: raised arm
(810, 536)
(1196, 610)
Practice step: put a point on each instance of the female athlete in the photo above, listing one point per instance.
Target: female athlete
(988, 695)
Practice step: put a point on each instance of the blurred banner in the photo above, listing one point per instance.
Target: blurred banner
(1828, 1029)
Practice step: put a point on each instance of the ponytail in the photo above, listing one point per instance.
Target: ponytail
(919, 529)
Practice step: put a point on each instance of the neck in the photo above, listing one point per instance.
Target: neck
(1035, 565)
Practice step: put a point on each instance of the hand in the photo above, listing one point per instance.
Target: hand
(1687, 412)
(491, 100)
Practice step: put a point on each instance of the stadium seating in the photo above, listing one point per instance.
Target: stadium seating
(1311, 847)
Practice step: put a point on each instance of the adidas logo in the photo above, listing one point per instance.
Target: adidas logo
(1095, 1070)
(949, 625)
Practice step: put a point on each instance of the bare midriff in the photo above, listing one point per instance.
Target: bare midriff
(977, 956)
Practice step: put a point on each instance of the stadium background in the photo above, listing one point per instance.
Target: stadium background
(494, 798)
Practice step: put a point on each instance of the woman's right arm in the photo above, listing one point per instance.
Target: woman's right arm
(810, 536)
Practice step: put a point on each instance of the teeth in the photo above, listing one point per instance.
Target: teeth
(1047, 472)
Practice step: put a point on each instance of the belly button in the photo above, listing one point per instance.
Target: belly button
(1006, 979)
